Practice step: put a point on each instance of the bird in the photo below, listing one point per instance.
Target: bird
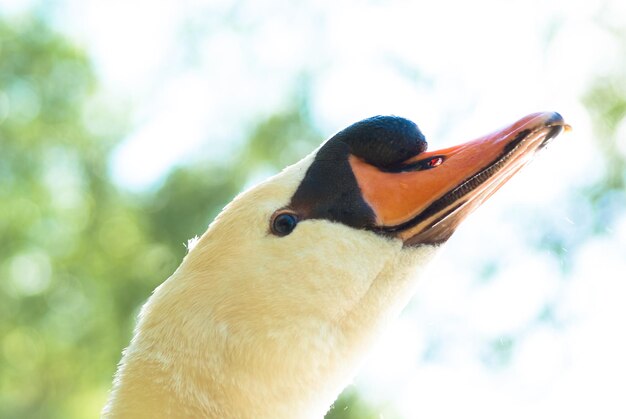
(274, 308)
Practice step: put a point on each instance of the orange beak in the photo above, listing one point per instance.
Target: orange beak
(426, 197)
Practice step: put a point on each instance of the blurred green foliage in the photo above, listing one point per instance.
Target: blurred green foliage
(64, 289)
(78, 256)
(351, 406)
(606, 101)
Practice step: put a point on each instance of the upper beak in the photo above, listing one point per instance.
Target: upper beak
(426, 197)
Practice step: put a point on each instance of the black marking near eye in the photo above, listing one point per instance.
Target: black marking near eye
(329, 189)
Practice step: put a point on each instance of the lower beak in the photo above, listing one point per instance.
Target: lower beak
(425, 198)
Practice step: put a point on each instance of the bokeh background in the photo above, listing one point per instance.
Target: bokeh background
(125, 126)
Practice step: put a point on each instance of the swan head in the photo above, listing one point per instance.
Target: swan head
(274, 307)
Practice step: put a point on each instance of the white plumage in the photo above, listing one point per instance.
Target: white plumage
(258, 325)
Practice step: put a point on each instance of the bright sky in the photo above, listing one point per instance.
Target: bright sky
(196, 79)
(470, 57)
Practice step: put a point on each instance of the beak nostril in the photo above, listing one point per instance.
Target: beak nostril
(434, 162)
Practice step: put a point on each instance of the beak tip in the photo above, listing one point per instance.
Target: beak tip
(555, 118)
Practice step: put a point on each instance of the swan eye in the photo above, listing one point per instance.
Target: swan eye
(284, 223)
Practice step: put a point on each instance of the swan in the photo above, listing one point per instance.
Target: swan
(274, 307)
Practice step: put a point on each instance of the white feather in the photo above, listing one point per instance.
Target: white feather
(257, 326)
